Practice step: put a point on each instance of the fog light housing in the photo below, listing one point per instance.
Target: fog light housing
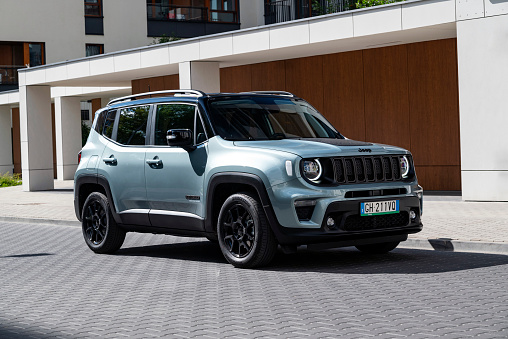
(330, 222)
(304, 209)
(412, 215)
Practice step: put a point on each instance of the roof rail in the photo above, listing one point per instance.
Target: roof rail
(283, 93)
(172, 91)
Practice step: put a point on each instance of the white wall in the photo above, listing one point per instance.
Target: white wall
(482, 50)
(125, 25)
(251, 13)
(60, 24)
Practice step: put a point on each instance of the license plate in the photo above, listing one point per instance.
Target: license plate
(379, 207)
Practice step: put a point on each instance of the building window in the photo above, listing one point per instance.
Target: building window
(85, 114)
(93, 8)
(94, 49)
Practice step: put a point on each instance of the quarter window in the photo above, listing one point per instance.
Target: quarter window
(132, 125)
(109, 124)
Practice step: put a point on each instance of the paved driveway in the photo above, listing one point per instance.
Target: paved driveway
(52, 285)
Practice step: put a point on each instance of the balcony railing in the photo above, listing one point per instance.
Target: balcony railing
(286, 10)
(9, 75)
(187, 13)
(181, 13)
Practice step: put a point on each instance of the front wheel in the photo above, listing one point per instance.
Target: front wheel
(245, 237)
(100, 230)
(380, 248)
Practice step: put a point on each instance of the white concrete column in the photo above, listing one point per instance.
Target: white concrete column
(200, 75)
(482, 50)
(6, 165)
(36, 139)
(67, 135)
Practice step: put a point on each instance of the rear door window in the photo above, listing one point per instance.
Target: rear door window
(132, 124)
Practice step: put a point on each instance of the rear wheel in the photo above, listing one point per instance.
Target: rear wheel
(380, 248)
(100, 230)
(245, 237)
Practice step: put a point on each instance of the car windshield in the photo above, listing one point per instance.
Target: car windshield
(268, 118)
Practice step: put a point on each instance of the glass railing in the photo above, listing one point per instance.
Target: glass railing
(187, 13)
(9, 75)
(180, 13)
(286, 10)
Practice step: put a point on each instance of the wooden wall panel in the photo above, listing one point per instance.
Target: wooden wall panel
(155, 84)
(386, 95)
(135, 85)
(439, 178)
(236, 79)
(269, 76)
(304, 78)
(433, 102)
(6, 54)
(172, 81)
(343, 93)
(96, 105)
(16, 140)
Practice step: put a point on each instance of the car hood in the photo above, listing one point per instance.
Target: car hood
(322, 147)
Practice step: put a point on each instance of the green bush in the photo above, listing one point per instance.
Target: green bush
(85, 131)
(7, 180)
(370, 3)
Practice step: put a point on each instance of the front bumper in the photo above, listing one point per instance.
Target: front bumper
(350, 228)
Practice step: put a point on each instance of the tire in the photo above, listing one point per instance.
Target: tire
(380, 248)
(101, 232)
(245, 237)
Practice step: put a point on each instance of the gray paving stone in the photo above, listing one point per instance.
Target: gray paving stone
(175, 287)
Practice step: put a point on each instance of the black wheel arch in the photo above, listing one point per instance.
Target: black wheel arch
(237, 182)
(88, 183)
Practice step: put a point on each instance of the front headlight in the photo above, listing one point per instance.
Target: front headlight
(312, 169)
(404, 167)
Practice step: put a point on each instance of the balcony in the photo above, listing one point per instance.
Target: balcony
(9, 77)
(286, 10)
(188, 21)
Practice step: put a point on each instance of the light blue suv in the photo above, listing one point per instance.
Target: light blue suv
(251, 171)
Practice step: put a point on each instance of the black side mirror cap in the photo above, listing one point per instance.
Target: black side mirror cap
(180, 137)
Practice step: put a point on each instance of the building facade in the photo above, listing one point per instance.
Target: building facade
(427, 75)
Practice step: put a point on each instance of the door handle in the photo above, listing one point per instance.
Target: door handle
(111, 160)
(155, 162)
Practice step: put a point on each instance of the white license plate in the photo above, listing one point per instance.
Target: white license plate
(379, 207)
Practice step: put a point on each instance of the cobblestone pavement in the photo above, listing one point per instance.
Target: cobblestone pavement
(52, 285)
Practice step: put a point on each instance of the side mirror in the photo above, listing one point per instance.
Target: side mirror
(180, 137)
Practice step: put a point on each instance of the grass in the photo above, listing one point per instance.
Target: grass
(7, 180)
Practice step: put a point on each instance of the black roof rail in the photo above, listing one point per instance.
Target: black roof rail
(282, 93)
(175, 92)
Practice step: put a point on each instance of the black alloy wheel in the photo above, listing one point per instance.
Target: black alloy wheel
(245, 237)
(96, 222)
(100, 230)
(239, 232)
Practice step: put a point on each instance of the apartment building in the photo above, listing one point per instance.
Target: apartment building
(428, 75)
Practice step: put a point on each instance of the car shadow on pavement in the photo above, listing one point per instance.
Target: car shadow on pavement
(399, 261)
(343, 261)
(203, 251)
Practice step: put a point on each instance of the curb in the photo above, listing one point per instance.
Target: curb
(450, 245)
(73, 223)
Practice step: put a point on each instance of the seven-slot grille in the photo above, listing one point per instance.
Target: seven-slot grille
(350, 170)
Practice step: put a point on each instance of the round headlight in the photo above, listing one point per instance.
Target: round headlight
(404, 166)
(312, 169)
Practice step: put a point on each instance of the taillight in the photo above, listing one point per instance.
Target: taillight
(79, 157)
